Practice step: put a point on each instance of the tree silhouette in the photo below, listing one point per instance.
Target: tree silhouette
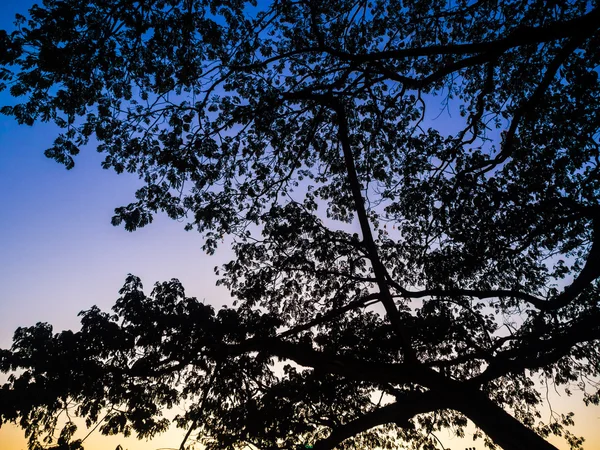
(473, 274)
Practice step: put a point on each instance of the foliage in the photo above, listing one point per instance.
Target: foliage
(396, 272)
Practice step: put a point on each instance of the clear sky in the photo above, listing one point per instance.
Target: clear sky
(60, 255)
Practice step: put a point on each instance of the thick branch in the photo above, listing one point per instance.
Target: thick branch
(519, 37)
(351, 368)
(484, 50)
(398, 412)
(359, 203)
(589, 273)
(504, 429)
(536, 352)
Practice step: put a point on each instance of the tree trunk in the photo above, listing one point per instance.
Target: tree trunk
(504, 429)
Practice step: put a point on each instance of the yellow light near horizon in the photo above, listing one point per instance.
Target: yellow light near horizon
(586, 425)
(13, 438)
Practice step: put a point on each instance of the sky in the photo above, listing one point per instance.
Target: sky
(59, 254)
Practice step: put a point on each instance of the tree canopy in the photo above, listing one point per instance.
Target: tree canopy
(410, 189)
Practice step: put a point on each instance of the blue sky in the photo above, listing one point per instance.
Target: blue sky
(60, 255)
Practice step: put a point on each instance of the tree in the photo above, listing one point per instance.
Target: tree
(473, 274)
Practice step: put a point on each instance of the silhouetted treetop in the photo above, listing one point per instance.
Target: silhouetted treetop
(411, 191)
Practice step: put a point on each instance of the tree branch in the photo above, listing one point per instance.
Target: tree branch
(351, 368)
(532, 102)
(589, 273)
(397, 412)
(535, 301)
(519, 37)
(359, 203)
(331, 315)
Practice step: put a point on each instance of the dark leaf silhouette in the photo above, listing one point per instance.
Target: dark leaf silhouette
(411, 192)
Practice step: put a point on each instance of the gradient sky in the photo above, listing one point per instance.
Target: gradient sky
(60, 255)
